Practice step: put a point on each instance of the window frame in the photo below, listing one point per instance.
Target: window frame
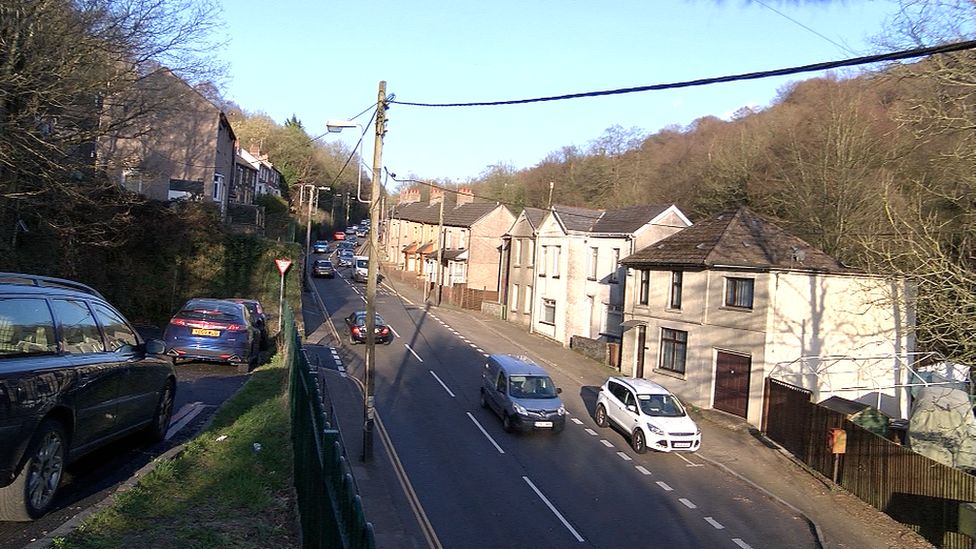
(548, 305)
(674, 349)
(644, 287)
(594, 262)
(614, 266)
(674, 298)
(735, 294)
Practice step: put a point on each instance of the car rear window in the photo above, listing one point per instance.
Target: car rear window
(211, 311)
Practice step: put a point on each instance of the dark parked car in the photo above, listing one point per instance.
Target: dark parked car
(357, 329)
(323, 267)
(74, 375)
(213, 330)
(259, 318)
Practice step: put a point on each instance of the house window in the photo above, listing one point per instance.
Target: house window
(614, 265)
(517, 252)
(548, 311)
(463, 238)
(591, 268)
(531, 253)
(555, 261)
(644, 289)
(528, 300)
(674, 346)
(218, 182)
(676, 278)
(515, 296)
(738, 292)
(542, 263)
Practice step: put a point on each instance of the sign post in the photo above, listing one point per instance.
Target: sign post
(283, 265)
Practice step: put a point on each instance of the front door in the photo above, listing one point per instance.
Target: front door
(641, 347)
(732, 374)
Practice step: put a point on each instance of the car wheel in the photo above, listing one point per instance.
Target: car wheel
(32, 492)
(164, 412)
(601, 416)
(637, 441)
(483, 400)
(507, 423)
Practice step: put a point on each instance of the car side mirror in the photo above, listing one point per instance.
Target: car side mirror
(559, 390)
(155, 347)
(632, 408)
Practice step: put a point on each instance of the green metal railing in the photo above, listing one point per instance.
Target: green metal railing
(329, 506)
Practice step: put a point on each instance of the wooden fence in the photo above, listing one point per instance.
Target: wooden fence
(911, 488)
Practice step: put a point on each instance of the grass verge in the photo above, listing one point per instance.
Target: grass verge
(221, 491)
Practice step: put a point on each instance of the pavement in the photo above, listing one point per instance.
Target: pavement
(836, 518)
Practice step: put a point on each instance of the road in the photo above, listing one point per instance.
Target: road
(482, 487)
(200, 389)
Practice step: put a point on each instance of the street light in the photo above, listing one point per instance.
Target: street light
(336, 126)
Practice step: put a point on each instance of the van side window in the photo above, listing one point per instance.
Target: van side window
(500, 384)
(26, 327)
(79, 333)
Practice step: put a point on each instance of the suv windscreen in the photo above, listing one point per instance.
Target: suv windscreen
(661, 405)
(531, 387)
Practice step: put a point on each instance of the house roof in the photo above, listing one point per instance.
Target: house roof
(534, 216)
(618, 221)
(464, 215)
(739, 238)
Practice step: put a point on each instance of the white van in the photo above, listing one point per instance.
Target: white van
(361, 268)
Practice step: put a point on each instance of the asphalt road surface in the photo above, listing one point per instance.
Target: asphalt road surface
(200, 389)
(482, 487)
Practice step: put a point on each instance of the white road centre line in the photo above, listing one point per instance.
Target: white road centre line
(643, 470)
(714, 523)
(664, 486)
(688, 461)
(687, 503)
(606, 443)
(624, 456)
(442, 383)
(472, 345)
(482, 429)
(552, 508)
(486, 355)
(741, 543)
(591, 432)
(576, 420)
(412, 352)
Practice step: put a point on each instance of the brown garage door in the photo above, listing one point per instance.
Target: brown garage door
(732, 383)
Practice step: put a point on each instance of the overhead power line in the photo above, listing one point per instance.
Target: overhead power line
(827, 65)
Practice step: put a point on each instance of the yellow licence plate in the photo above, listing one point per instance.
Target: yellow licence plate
(205, 332)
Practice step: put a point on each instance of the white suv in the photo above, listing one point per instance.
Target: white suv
(647, 412)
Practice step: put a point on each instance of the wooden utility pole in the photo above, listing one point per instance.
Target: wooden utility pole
(440, 250)
(371, 272)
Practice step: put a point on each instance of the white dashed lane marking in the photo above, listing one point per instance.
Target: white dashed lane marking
(606, 443)
(687, 503)
(591, 432)
(643, 470)
(714, 523)
(624, 456)
(664, 486)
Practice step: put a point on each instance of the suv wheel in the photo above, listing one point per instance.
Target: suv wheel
(164, 412)
(601, 416)
(637, 441)
(32, 492)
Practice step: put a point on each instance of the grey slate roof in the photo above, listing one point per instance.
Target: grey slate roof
(534, 216)
(619, 221)
(739, 238)
(464, 215)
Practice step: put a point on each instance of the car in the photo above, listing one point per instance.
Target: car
(346, 245)
(346, 257)
(213, 330)
(648, 413)
(338, 235)
(351, 230)
(74, 376)
(320, 247)
(259, 318)
(323, 267)
(361, 232)
(360, 268)
(356, 322)
(522, 394)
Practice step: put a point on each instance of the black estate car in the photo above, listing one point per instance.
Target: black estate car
(74, 375)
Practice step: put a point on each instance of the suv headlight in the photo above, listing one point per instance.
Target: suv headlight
(562, 410)
(697, 430)
(655, 429)
(519, 409)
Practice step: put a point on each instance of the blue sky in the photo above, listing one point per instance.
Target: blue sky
(324, 59)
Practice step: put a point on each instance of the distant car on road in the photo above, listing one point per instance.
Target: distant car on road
(213, 330)
(345, 257)
(351, 230)
(648, 413)
(338, 235)
(361, 268)
(320, 247)
(74, 376)
(323, 267)
(259, 318)
(356, 322)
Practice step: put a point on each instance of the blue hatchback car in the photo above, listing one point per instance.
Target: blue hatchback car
(213, 330)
